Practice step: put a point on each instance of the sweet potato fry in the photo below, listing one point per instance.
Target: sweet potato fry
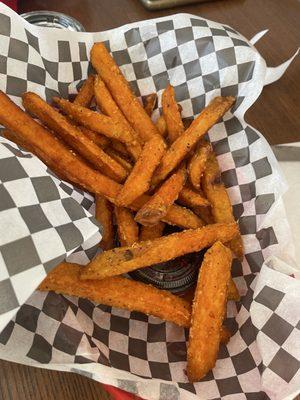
(150, 102)
(220, 204)
(189, 198)
(120, 148)
(121, 92)
(104, 215)
(86, 93)
(151, 232)
(188, 139)
(108, 106)
(204, 213)
(52, 152)
(119, 158)
(171, 114)
(73, 137)
(100, 140)
(158, 204)
(138, 181)
(128, 231)
(109, 127)
(233, 293)
(118, 292)
(197, 163)
(70, 166)
(142, 254)
(161, 126)
(208, 311)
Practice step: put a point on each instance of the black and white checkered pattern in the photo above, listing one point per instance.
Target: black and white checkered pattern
(201, 59)
(41, 223)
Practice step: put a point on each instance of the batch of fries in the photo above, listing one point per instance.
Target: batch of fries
(144, 175)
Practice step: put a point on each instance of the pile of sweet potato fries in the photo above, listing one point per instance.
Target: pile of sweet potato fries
(144, 175)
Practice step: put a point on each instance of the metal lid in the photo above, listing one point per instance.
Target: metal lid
(52, 19)
(176, 275)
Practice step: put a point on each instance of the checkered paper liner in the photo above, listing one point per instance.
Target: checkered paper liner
(201, 59)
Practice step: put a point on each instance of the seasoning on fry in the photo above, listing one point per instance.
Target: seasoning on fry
(171, 114)
(208, 311)
(197, 163)
(142, 254)
(138, 181)
(161, 126)
(108, 106)
(121, 92)
(118, 292)
(103, 124)
(100, 140)
(128, 231)
(220, 204)
(54, 153)
(73, 137)
(104, 215)
(188, 197)
(86, 92)
(188, 139)
(151, 232)
(158, 204)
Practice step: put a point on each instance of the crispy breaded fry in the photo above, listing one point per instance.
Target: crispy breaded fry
(189, 198)
(120, 148)
(73, 137)
(233, 293)
(52, 152)
(204, 213)
(118, 292)
(109, 127)
(142, 254)
(188, 139)
(220, 204)
(70, 166)
(128, 231)
(151, 232)
(86, 93)
(10, 135)
(138, 181)
(119, 158)
(150, 102)
(104, 214)
(100, 140)
(158, 204)
(121, 92)
(108, 106)
(161, 126)
(176, 215)
(171, 114)
(197, 163)
(208, 311)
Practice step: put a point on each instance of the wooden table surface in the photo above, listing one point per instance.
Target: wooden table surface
(276, 114)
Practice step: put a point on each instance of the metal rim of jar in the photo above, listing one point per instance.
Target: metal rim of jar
(44, 15)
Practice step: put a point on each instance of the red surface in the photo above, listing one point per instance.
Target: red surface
(118, 394)
(11, 3)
